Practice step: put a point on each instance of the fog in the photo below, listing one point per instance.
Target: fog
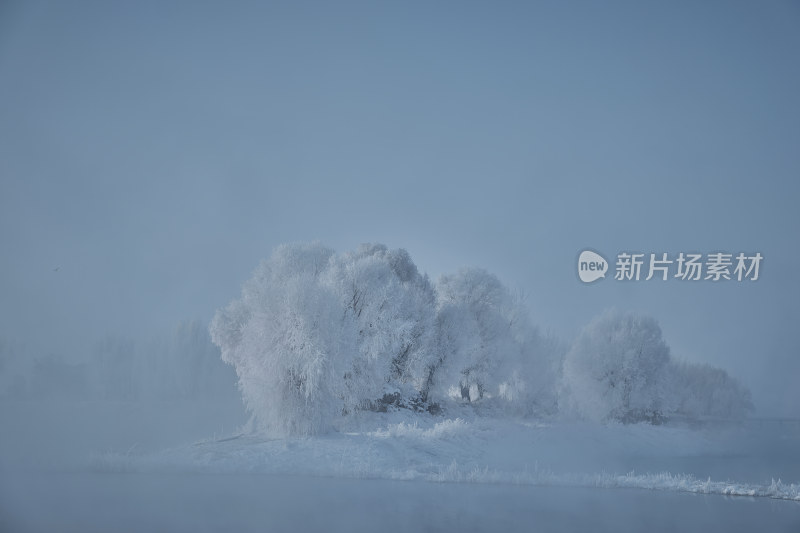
(151, 155)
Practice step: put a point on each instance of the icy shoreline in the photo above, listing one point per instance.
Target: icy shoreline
(486, 451)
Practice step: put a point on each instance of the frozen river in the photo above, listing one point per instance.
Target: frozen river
(90, 502)
(163, 479)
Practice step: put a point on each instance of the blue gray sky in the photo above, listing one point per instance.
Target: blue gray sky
(154, 152)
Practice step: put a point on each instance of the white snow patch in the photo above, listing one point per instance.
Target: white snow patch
(662, 481)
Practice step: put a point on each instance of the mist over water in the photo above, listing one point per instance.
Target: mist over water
(255, 503)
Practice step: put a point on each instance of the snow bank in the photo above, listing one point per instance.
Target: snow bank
(661, 481)
(481, 450)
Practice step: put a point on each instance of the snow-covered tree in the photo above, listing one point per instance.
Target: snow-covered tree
(474, 312)
(701, 390)
(619, 368)
(390, 307)
(316, 335)
(488, 347)
(615, 369)
(287, 340)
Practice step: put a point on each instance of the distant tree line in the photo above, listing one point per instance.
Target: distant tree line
(182, 364)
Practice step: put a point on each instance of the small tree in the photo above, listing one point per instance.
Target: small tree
(475, 328)
(615, 368)
(489, 348)
(700, 390)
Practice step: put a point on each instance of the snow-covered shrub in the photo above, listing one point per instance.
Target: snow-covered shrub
(615, 369)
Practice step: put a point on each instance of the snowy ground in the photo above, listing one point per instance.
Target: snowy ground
(432, 470)
(734, 461)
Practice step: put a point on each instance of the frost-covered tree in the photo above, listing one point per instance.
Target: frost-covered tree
(619, 368)
(286, 339)
(700, 390)
(615, 369)
(475, 313)
(488, 347)
(316, 335)
(390, 308)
